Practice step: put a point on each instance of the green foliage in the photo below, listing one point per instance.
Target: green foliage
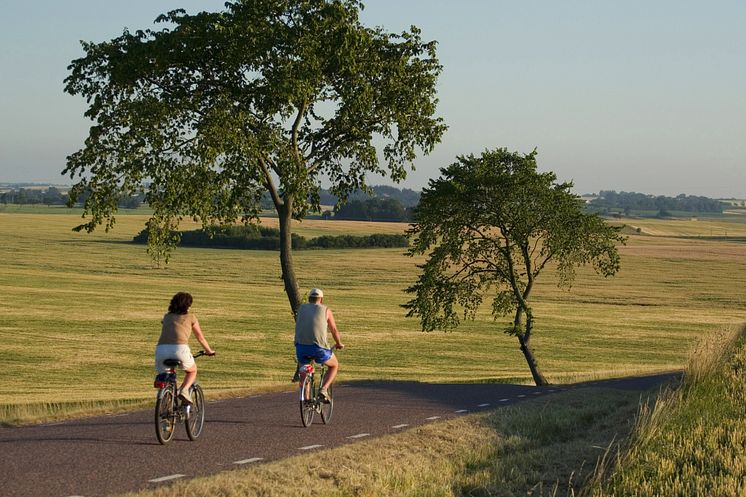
(268, 96)
(216, 108)
(494, 223)
(254, 237)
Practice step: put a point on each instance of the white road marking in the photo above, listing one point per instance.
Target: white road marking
(360, 435)
(432, 418)
(538, 393)
(461, 411)
(247, 461)
(521, 396)
(482, 405)
(166, 478)
(310, 447)
(504, 400)
(400, 426)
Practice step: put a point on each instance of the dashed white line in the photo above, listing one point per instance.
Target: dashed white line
(504, 400)
(360, 435)
(248, 461)
(521, 396)
(461, 411)
(483, 405)
(310, 447)
(432, 418)
(538, 393)
(166, 478)
(400, 426)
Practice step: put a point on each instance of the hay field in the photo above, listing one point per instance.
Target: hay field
(80, 313)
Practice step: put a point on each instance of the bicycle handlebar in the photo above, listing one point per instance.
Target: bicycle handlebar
(201, 353)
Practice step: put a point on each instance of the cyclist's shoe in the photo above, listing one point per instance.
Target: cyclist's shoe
(296, 376)
(185, 397)
(324, 396)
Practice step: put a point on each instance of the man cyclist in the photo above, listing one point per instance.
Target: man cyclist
(312, 324)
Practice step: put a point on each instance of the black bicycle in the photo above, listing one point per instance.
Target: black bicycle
(311, 401)
(169, 409)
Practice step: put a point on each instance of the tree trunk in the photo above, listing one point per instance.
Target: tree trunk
(286, 255)
(531, 360)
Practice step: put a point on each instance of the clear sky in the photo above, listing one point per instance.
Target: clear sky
(636, 95)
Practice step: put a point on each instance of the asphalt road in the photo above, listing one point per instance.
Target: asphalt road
(118, 453)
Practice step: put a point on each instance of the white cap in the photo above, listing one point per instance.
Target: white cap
(316, 292)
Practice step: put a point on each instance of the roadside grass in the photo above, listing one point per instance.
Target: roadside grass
(541, 447)
(80, 314)
(692, 441)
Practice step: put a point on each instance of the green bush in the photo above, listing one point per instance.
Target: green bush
(252, 237)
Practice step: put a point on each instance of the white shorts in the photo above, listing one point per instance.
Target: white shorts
(173, 351)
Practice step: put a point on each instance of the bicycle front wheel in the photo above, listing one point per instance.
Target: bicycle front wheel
(165, 419)
(307, 408)
(196, 419)
(328, 408)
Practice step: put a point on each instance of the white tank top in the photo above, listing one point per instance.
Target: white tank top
(311, 325)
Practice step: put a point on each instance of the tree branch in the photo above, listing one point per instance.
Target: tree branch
(269, 184)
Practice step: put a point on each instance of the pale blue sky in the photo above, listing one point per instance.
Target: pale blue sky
(646, 96)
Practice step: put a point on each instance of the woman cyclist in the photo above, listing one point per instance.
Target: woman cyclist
(177, 326)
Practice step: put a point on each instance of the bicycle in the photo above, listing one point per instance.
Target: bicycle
(310, 399)
(169, 409)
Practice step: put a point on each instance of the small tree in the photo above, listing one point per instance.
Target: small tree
(269, 96)
(491, 225)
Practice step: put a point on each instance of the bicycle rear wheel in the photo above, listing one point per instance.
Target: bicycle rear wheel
(196, 419)
(328, 408)
(165, 419)
(307, 408)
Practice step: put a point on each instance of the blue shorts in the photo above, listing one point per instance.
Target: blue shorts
(304, 353)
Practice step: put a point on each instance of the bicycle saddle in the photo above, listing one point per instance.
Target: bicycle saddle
(172, 362)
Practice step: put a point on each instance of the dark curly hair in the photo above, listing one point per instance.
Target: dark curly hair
(180, 303)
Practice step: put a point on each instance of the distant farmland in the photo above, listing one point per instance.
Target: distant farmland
(80, 309)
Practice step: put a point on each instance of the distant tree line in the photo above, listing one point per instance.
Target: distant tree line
(252, 237)
(374, 209)
(630, 201)
(34, 196)
(383, 203)
(54, 196)
(387, 203)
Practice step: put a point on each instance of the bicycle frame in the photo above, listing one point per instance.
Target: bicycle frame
(309, 399)
(169, 409)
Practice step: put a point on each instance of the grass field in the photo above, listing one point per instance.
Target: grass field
(692, 441)
(80, 313)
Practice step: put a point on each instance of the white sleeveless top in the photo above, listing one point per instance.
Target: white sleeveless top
(311, 325)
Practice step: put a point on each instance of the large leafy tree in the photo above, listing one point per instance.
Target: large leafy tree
(490, 225)
(215, 109)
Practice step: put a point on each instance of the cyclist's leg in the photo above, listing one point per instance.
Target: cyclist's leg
(302, 358)
(332, 365)
(190, 370)
(190, 375)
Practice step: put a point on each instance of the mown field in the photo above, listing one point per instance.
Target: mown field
(80, 313)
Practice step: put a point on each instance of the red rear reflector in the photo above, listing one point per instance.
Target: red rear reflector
(159, 384)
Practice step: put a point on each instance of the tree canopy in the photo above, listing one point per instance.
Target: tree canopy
(214, 109)
(490, 225)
